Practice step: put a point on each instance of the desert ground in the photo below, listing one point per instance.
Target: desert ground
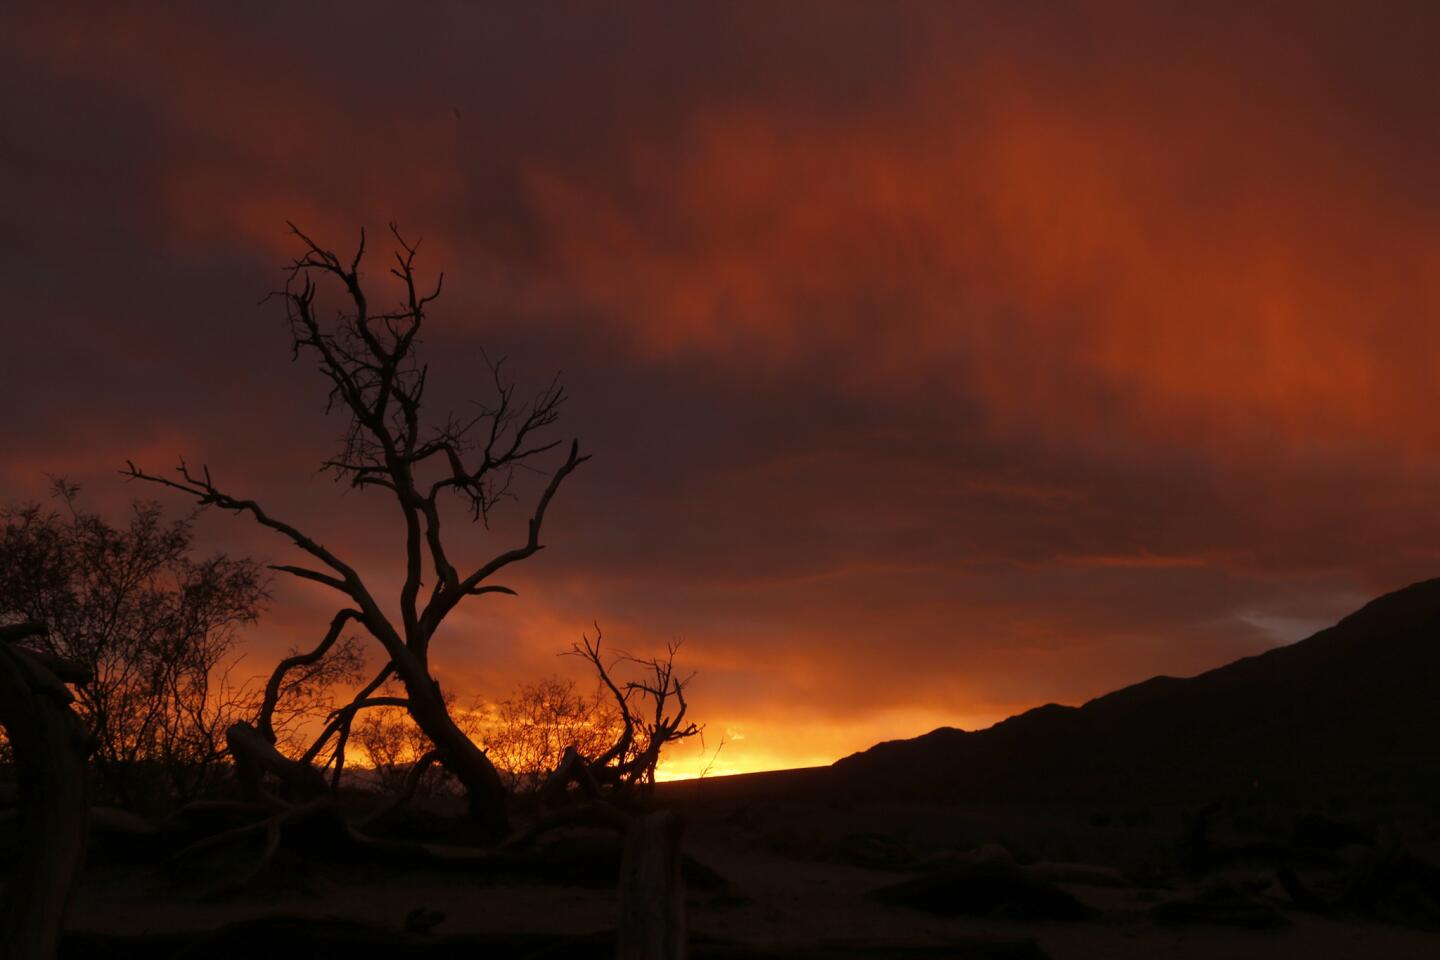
(774, 871)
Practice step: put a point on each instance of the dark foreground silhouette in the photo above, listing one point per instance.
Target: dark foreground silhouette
(1284, 804)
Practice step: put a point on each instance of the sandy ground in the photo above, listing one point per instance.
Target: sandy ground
(778, 897)
(796, 903)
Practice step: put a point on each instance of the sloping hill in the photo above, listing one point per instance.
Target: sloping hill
(1352, 711)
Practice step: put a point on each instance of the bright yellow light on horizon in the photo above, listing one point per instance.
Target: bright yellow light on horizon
(771, 743)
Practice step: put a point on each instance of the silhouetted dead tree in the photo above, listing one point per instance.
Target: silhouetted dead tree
(652, 713)
(369, 358)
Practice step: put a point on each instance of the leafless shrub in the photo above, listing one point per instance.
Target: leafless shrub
(154, 627)
(527, 733)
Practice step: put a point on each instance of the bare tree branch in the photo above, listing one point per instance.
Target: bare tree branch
(265, 720)
(206, 494)
(306, 574)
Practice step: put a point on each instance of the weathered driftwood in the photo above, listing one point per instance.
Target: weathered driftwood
(572, 768)
(255, 756)
(50, 748)
(652, 890)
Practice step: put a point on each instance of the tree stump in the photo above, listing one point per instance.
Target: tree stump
(50, 748)
(652, 890)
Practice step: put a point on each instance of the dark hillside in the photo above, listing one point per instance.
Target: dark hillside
(1352, 712)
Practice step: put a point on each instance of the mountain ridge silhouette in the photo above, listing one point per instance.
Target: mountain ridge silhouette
(1352, 711)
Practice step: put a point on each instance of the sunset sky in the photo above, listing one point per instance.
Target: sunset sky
(938, 360)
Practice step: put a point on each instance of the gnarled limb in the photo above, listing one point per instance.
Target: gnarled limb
(445, 600)
(339, 720)
(572, 768)
(255, 755)
(265, 721)
(202, 488)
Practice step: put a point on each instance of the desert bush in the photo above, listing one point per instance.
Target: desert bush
(153, 625)
(527, 733)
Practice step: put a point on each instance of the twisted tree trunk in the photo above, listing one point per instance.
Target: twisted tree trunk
(50, 747)
(484, 791)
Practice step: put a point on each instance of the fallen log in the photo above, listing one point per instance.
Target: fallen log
(255, 756)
